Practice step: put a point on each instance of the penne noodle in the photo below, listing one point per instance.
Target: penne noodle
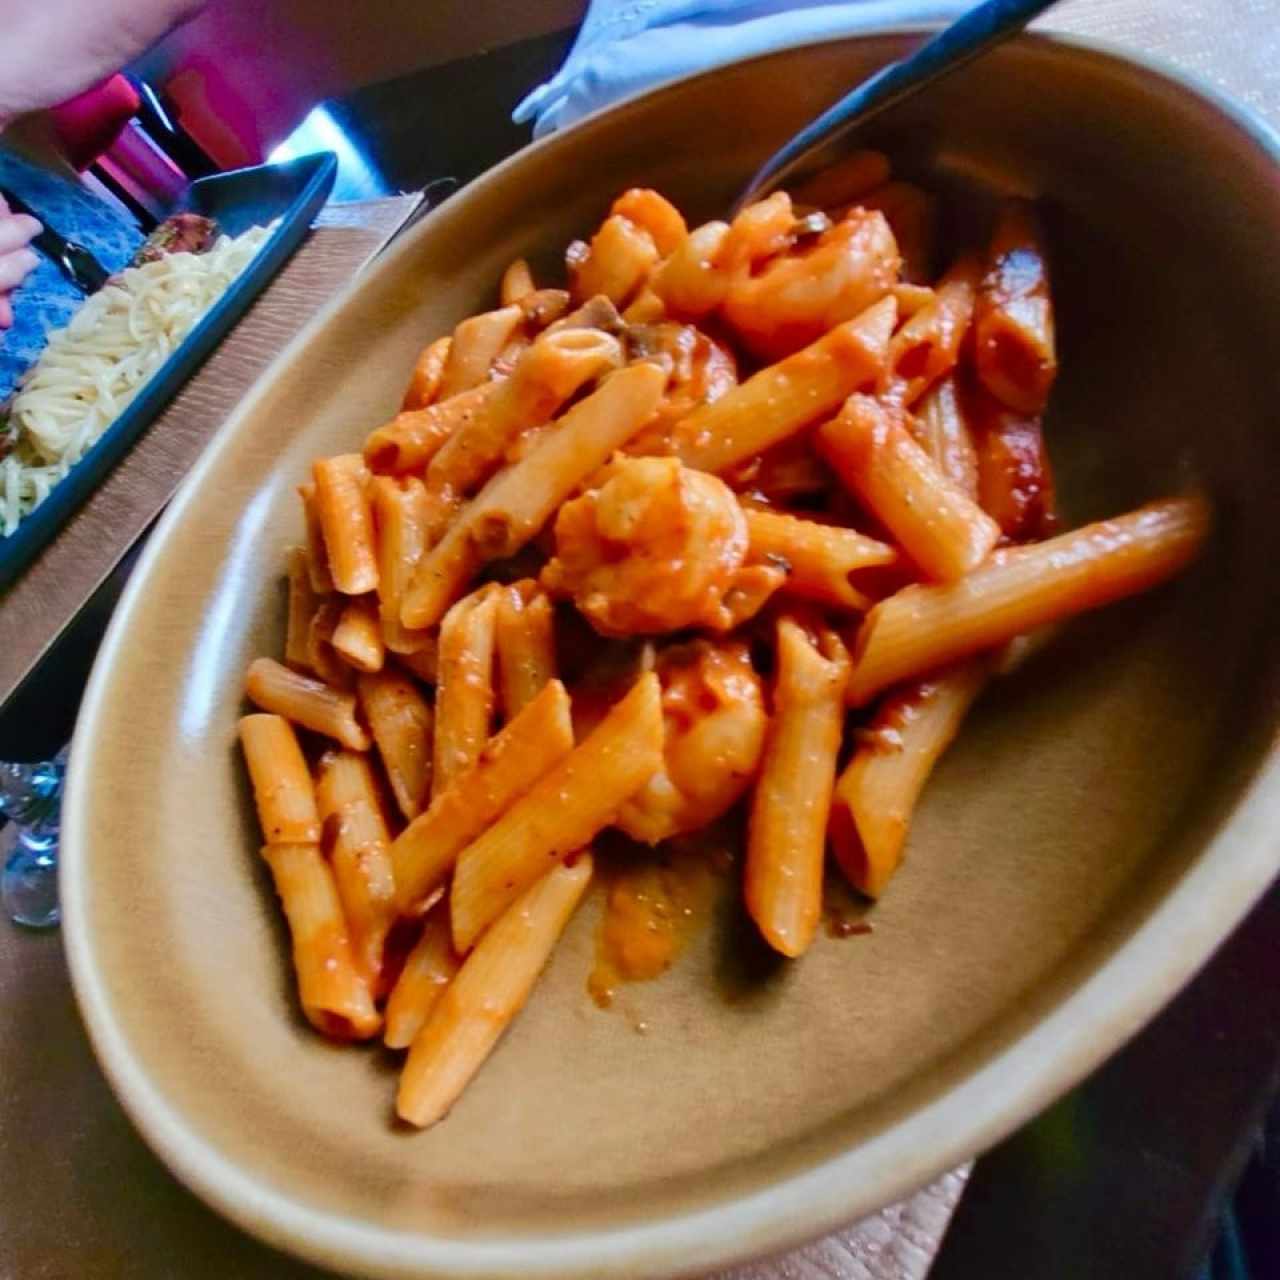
(517, 283)
(1015, 480)
(844, 181)
(781, 399)
(357, 638)
(464, 692)
(490, 989)
(334, 995)
(346, 522)
(424, 662)
(942, 430)
(476, 344)
(400, 722)
(561, 813)
(303, 602)
(927, 347)
(282, 785)
(691, 282)
(646, 308)
(404, 517)
(923, 628)
(512, 761)
(617, 262)
(518, 501)
(427, 972)
(428, 369)
(310, 703)
(821, 561)
(876, 458)
(912, 298)
(786, 836)
(412, 439)
(646, 208)
(356, 840)
(1014, 347)
(317, 556)
(322, 658)
(877, 792)
(552, 370)
(526, 645)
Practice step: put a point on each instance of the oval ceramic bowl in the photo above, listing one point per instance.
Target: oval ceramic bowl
(1105, 819)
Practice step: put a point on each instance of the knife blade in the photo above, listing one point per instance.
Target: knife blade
(74, 260)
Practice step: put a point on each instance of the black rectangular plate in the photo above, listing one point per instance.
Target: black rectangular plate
(237, 201)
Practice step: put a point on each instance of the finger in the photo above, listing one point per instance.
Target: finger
(6, 312)
(15, 267)
(4, 206)
(17, 231)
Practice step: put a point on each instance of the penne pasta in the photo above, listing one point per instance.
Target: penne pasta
(1015, 352)
(490, 989)
(464, 692)
(400, 722)
(427, 972)
(876, 458)
(548, 373)
(303, 602)
(877, 792)
(786, 836)
(307, 702)
(541, 309)
(517, 283)
(334, 995)
(357, 638)
(424, 662)
(943, 432)
(923, 628)
(823, 562)
(787, 396)
(525, 640)
(317, 556)
(282, 785)
(519, 500)
(322, 658)
(561, 813)
(927, 347)
(428, 370)
(346, 522)
(1015, 480)
(356, 841)
(476, 344)
(404, 517)
(616, 263)
(412, 439)
(536, 739)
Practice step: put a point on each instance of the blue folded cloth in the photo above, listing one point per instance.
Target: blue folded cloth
(625, 46)
(47, 299)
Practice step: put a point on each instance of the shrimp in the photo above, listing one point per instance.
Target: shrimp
(655, 547)
(701, 370)
(797, 297)
(714, 724)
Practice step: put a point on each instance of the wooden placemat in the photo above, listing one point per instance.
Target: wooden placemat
(45, 599)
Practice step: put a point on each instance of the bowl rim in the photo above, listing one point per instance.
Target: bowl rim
(1088, 1024)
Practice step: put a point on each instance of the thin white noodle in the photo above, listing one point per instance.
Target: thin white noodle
(92, 369)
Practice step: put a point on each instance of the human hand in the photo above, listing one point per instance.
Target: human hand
(16, 259)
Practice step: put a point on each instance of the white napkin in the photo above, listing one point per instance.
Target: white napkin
(625, 46)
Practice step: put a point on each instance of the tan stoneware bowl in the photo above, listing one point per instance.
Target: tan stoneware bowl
(1107, 817)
